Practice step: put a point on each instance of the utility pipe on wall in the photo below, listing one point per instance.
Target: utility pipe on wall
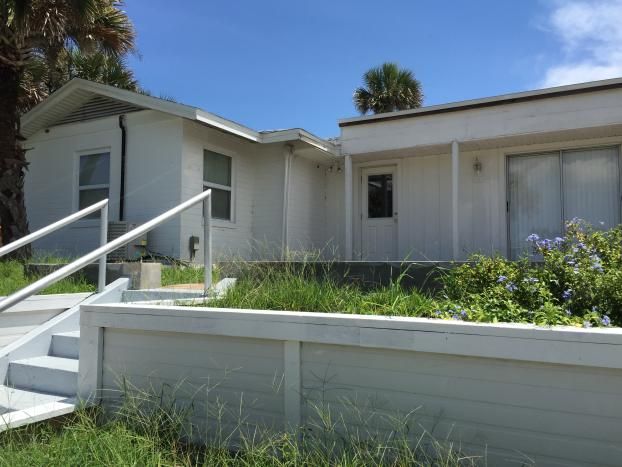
(123, 127)
(288, 155)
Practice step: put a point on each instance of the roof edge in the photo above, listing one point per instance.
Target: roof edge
(503, 99)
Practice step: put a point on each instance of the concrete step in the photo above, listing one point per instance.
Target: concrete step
(12, 399)
(48, 374)
(65, 344)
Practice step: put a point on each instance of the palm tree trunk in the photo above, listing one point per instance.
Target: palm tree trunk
(13, 221)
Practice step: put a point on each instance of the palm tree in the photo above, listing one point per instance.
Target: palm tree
(34, 31)
(388, 89)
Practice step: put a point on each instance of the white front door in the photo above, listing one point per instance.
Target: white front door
(379, 214)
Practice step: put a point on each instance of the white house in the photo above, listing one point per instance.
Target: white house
(435, 183)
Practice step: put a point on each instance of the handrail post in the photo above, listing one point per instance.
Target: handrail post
(207, 242)
(103, 239)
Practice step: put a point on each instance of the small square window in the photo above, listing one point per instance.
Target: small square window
(217, 175)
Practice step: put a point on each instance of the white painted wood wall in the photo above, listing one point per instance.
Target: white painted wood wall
(514, 391)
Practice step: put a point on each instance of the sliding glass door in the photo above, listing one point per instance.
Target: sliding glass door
(544, 190)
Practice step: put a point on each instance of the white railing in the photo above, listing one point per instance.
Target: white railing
(103, 250)
(101, 206)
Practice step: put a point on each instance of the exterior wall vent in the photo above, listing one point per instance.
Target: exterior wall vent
(134, 250)
(97, 107)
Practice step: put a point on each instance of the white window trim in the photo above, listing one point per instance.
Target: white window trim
(78, 188)
(216, 222)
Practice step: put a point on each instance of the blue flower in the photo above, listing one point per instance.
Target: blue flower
(463, 313)
(437, 312)
(511, 287)
(456, 317)
(533, 237)
(567, 294)
(606, 320)
(596, 263)
(502, 279)
(559, 241)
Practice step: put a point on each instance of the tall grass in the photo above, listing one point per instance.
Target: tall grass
(149, 429)
(13, 278)
(302, 287)
(185, 274)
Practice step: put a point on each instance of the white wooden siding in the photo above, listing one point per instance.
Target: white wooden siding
(268, 176)
(152, 178)
(546, 115)
(306, 213)
(215, 373)
(515, 392)
(230, 239)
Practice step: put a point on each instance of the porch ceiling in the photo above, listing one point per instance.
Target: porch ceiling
(495, 143)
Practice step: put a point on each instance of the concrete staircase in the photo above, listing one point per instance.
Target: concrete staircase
(43, 386)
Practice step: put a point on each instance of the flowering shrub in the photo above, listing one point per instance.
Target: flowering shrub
(578, 282)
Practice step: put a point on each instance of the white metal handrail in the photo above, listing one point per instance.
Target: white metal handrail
(101, 206)
(78, 264)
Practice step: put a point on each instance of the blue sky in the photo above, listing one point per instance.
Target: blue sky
(279, 64)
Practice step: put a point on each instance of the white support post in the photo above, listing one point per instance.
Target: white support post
(348, 207)
(455, 187)
(207, 242)
(90, 369)
(103, 239)
(288, 154)
(293, 384)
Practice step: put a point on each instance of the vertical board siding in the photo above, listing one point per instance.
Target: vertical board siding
(306, 213)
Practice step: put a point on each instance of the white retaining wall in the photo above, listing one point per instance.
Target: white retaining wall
(518, 392)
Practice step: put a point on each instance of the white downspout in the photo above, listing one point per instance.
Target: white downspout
(348, 207)
(288, 155)
(455, 186)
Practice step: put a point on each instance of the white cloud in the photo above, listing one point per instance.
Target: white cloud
(591, 36)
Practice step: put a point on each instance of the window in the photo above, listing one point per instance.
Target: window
(545, 190)
(217, 177)
(94, 180)
(379, 196)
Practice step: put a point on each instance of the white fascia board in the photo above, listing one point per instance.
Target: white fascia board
(486, 100)
(298, 134)
(227, 125)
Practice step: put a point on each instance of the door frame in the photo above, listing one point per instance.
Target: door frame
(379, 167)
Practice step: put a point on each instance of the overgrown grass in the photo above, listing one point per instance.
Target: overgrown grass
(13, 278)
(296, 287)
(180, 274)
(153, 430)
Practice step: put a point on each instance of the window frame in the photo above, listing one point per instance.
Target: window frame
(218, 221)
(559, 152)
(79, 188)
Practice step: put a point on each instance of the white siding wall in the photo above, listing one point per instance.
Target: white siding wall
(424, 200)
(52, 181)
(306, 213)
(553, 114)
(153, 177)
(269, 173)
(334, 206)
(230, 239)
(515, 392)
